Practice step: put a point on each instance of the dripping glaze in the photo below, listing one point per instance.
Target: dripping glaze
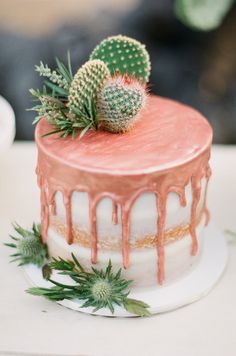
(55, 174)
(161, 186)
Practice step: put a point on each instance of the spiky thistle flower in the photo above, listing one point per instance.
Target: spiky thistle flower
(124, 55)
(29, 246)
(119, 102)
(98, 288)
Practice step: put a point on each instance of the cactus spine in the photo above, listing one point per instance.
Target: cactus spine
(124, 55)
(86, 84)
(119, 103)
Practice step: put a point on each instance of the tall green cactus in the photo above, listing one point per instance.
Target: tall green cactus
(124, 55)
(119, 103)
(86, 84)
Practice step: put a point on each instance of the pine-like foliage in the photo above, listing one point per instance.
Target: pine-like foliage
(124, 55)
(119, 103)
(85, 86)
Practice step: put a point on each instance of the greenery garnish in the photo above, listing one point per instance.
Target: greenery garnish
(52, 102)
(28, 245)
(98, 288)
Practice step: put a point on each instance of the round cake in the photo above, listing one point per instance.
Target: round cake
(136, 198)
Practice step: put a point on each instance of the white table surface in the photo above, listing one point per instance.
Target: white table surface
(34, 326)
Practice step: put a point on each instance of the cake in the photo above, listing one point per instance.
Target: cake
(136, 197)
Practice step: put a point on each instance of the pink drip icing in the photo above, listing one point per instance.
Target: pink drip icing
(53, 208)
(114, 213)
(196, 192)
(56, 174)
(93, 229)
(125, 218)
(51, 202)
(44, 209)
(67, 204)
(126, 208)
(161, 208)
(205, 209)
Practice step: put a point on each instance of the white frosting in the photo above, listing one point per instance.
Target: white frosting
(143, 261)
(143, 213)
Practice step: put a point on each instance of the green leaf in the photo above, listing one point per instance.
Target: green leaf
(137, 307)
(56, 89)
(20, 230)
(51, 132)
(83, 132)
(10, 245)
(77, 263)
(69, 64)
(63, 71)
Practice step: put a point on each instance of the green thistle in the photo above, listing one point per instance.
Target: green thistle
(120, 102)
(98, 288)
(124, 55)
(29, 246)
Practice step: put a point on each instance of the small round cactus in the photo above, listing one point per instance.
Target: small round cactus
(119, 103)
(124, 55)
(86, 83)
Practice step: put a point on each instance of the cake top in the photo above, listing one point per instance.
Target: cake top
(167, 134)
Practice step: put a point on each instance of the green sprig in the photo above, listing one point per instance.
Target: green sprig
(52, 102)
(98, 288)
(54, 76)
(29, 246)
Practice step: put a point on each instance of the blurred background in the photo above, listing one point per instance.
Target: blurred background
(192, 44)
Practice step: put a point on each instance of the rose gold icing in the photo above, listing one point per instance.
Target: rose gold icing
(114, 213)
(168, 148)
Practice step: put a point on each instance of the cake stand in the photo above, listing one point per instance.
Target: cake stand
(195, 285)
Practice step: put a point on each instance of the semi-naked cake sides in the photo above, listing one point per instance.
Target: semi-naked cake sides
(137, 198)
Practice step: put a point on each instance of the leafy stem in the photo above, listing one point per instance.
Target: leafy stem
(52, 102)
(97, 288)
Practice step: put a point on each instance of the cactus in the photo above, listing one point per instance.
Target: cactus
(119, 103)
(124, 55)
(86, 84)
